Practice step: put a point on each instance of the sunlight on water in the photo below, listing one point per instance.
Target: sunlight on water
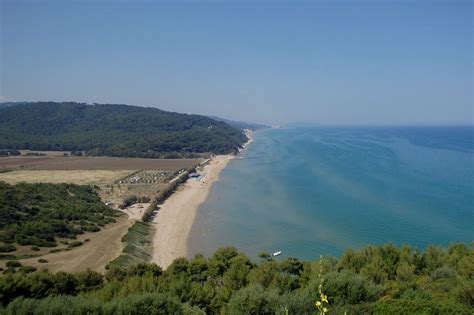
(319, 191)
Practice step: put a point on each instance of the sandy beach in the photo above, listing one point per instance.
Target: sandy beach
(176, 216)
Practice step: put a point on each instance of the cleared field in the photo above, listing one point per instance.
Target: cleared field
(52, 153)
(99, 177)
(103, 247)
(93, 163)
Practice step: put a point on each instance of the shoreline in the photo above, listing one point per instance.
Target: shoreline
(174, 220)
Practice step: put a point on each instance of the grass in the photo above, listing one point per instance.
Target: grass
(138, 245)
(80, 177)
(93, 163)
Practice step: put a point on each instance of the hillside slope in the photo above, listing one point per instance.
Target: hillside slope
(114, 130)
(240, 124)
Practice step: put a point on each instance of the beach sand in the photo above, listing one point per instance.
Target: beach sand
(250, 134)
(175, 218)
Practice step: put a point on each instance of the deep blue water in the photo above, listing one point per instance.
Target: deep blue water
(312, 191)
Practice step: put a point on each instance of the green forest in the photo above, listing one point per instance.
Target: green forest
(37, 214)
(114, 130)
(375, 280)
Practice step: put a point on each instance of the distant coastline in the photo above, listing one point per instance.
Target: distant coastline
(176, 216)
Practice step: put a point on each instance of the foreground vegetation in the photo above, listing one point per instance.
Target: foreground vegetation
(137, 246)
(114, 130)
(375, 280)
(38, 214)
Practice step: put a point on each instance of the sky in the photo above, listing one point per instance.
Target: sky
(327, 62)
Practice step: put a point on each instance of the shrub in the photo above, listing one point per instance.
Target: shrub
(27, 269)
(90, 228)
(443, 273)
(254, 299)
(13, 263)
(7, 248)
(229, 283)
(9, 271)
(75, 244)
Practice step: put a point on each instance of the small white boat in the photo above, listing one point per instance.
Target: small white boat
(278, 253)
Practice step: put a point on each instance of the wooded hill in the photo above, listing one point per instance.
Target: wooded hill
(114, 130)
(240, 124)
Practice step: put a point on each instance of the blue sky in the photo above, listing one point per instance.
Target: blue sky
(349, 62)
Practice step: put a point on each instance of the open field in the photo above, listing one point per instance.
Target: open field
(51, 153)
(99, 177)
(106, 180)
(117, 179)
(50, 162)
(103, 247)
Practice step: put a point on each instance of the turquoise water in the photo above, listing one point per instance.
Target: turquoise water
(313, 191)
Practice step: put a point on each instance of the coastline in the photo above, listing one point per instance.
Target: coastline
(176, 216)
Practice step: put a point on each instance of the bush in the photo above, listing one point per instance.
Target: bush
(74, 244)
(347, 287)
(254, 300)
(27, 269)
(42, 261)
(13, 263)
(413, 302)
(7, 248)
(90, 228)
(443, 273)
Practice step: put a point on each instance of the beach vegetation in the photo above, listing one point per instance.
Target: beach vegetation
(137, 246)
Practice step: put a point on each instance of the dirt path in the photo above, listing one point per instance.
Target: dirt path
(103, 247)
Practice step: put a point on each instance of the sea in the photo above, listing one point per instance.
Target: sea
(321, 190)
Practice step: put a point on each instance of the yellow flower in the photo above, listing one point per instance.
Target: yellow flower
(325, 310)
(324, 298)
(318, 304)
